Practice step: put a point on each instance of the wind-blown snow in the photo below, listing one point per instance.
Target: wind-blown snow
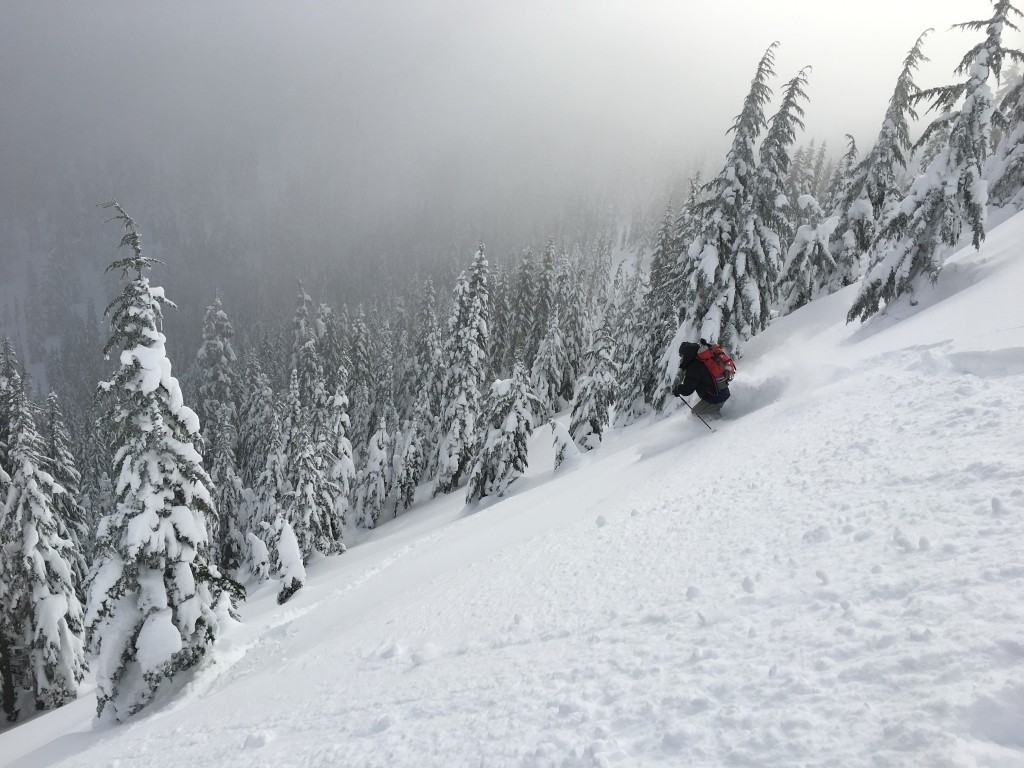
(834, 577)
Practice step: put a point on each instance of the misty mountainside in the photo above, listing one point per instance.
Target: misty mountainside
(340, 375)
(835, 575)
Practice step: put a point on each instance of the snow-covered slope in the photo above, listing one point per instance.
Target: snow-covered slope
(834, 577)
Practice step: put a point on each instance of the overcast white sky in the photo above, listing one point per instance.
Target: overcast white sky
(451, 98)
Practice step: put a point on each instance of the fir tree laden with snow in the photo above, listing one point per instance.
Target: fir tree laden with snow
(572, 322)
(775, 220)
(548, 368)
(414, 452)
(151, 612)
(289, 560)
(337, 450)
(310, 502)
(42, 624)
(8, 692)
(873, 191)
(810, 267)
(509, 420)
(216, 362)
(631, 349)
(257, 413)
(371, 491)
(1007, 171)
(845, 247)
(952, 192)
(265, 505)
(596, 393)
(228, 543)
(68, 505)
(732, 292)
(661, 309)
(9, 368)
(429, 375)
(465, 358)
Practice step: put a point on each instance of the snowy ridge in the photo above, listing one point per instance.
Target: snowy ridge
(835, 577)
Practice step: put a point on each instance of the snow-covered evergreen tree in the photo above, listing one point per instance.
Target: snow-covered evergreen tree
(256, 414)
(293, 416)
(842, 178)
(228, 540)
(303, 327)
(289, 562)
(661, 306)
(549, 367)
(687, 227)
(216, 362)
(810, 270)
(150, 610)
(359, 353)
(952, 192)
(1006, 173)
(522, 345)
(732, 289)
(874, 190)
(500, 325)
(360, 420)
(465, 358)
(543, 300)
(310, 504)
(8, 630)
(337, 451)
(566, 451)
(572, 324)
(821, 172)
(844, 248)
(42, 615)
(61, 465)
(509, 421)
(371, 486)
(331, 345)
(414, 452)
(429, 376)
(265, 505)
(632, 350)
(9, 368)
(596, 393)
(97, 487)
(775, 221)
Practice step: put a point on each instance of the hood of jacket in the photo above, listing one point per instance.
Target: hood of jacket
(687, 353)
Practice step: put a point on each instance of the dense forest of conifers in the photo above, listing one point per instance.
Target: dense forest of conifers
(136, 509)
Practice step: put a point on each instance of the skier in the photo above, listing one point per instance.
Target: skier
(695, 375)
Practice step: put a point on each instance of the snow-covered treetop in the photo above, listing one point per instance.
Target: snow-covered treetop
(876, 174)
(978, 64)
(781, 134)
(136, 313)
(131, 238)
(987, 56)
(749, 123)
(724, 191)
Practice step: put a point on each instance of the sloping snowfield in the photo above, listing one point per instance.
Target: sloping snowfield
(835, 577)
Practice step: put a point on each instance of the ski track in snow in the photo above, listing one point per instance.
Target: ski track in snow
(835, 578)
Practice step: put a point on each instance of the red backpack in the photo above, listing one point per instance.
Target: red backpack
(719, 365)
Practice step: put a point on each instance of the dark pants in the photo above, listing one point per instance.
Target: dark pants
(706, 409)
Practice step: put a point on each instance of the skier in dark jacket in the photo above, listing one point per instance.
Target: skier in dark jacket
(693, 377)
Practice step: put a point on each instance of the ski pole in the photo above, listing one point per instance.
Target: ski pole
(695, 413)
